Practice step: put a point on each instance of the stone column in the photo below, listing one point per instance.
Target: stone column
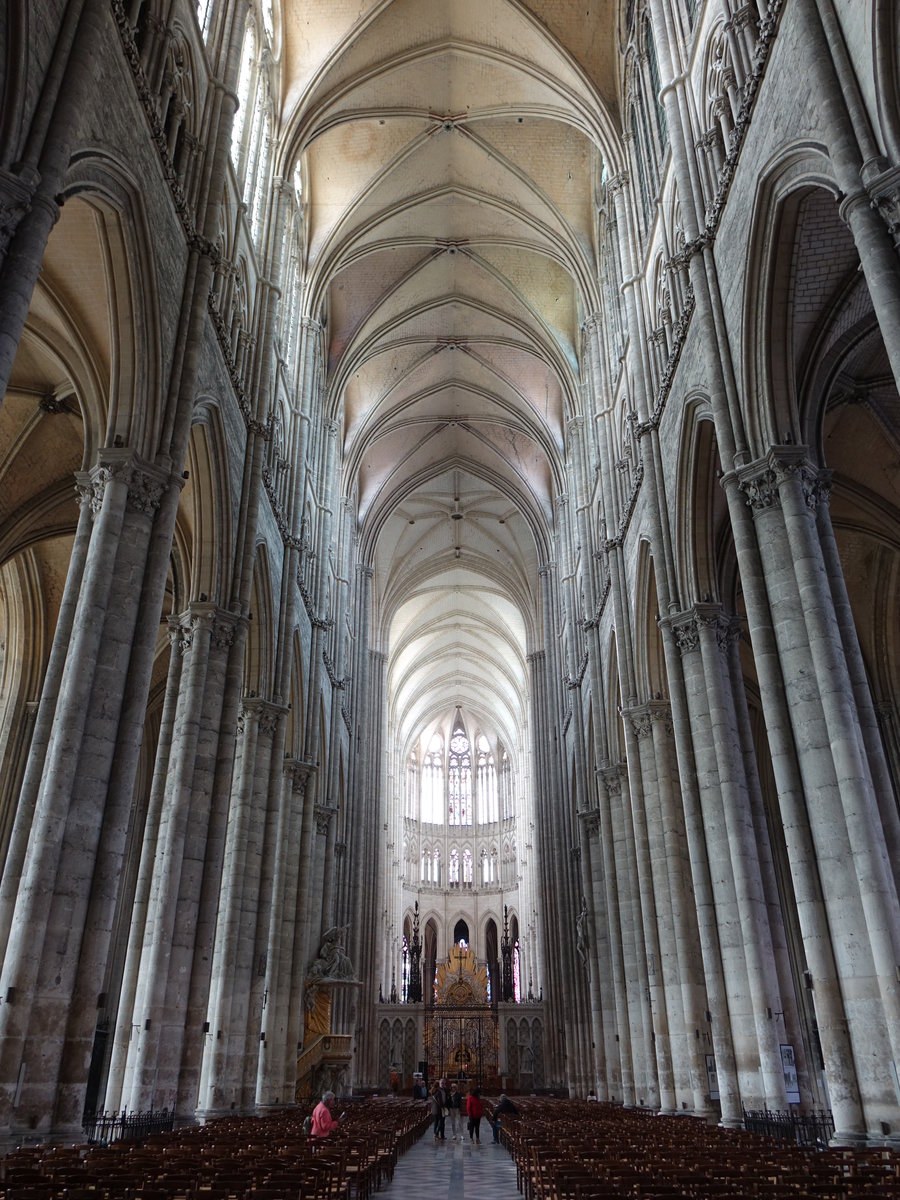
(598, 958)
(541, 722)
(222, 1081)
(717, 918)
(638, 744)
(59, 903)
(871, 737)
(302, 948)
(610, 787)
(125, 1028)
(845, 823)
(151, 1014)
(688, 965)
(34, 770)
(715, 632)
(274, 1081)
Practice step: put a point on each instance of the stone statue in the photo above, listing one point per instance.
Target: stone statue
(332, 965)
(332, 962)
(581, 937)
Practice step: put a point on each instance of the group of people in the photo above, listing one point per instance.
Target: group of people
(450, 1102)
(445, 1102)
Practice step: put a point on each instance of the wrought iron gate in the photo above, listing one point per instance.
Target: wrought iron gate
(463, 1043)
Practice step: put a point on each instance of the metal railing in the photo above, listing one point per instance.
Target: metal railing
(103, 1128)
(805, 1128)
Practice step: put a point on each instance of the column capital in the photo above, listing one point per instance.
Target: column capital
(713, 618)
(612, 778)
(16, 192)
(590, 820)
(264, 712)
(684, 630)
(885, 199)
(323, 815)
(640, 721)
(299, 771)
(761, 481)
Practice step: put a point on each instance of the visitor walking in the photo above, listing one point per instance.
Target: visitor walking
(474, 1111)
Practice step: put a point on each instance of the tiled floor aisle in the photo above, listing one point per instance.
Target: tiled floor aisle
(454, 1171)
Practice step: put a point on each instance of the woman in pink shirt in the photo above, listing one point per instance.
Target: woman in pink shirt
(322, 1120)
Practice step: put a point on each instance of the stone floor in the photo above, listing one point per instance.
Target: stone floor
(454, 1171)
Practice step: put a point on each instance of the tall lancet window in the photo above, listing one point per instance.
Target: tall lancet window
(486, 789)
(459, 773)
(412, 786)
(433, 782)
(245, 79)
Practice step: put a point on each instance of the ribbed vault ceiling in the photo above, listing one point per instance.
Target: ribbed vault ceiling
(450, 151)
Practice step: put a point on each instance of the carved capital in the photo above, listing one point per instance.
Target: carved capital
(790, 466)
(884, 192)
(590, 819)
(15, 200)
(145, 491)
(223, 631)
(687, 635)
(661, 714)
(726, 629)
(300, 771)
(198, 618)
(323, 814)
(263, 712)
(268, 720)
(612, 779)
(759, 487)
(640, 722)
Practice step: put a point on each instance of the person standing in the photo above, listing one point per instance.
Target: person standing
(438, 1107)
(454, 1104)
(474, 1111)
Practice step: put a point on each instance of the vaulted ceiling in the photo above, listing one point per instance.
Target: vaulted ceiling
(451, 151)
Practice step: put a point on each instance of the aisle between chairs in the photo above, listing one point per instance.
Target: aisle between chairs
(454, 1171)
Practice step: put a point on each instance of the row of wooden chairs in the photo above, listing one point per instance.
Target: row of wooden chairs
(573, 1150)
(236, 1158)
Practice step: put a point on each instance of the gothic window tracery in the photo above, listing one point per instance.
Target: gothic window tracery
(486, 788)
(467, 866)
(412, 782)
(245, 81)
(646, 122)
(433, 782)
(459, 777)
(205, 9)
